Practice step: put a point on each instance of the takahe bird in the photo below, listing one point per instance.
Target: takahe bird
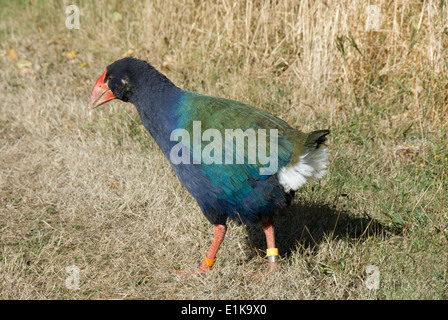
(228, 180)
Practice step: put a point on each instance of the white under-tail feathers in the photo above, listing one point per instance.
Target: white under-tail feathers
(310, 167)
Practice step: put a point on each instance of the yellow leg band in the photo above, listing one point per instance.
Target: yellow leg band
(209, 262)
(271, 252)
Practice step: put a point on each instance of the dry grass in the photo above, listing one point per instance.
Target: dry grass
(91, 189)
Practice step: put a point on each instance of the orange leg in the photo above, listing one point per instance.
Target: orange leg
(210, 257)
(272, 251)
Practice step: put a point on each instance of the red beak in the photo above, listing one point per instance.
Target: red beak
(100, 93)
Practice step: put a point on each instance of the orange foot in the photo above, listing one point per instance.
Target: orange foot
(272, 267)
(199, 271)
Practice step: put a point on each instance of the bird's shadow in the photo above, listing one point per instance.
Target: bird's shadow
(304, 226)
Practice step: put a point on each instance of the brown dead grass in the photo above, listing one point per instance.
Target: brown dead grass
(91, 189)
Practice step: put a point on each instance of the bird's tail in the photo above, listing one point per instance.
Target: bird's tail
(311, 166)
(316, 138)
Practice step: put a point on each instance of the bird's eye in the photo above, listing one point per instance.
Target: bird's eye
(109, 78)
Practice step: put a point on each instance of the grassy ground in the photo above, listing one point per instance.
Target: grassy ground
(90, 189)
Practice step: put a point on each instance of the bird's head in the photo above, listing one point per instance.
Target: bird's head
(119, 81)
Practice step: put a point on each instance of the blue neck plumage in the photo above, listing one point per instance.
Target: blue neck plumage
(154, 103)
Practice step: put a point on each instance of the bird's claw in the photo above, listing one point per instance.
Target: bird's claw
(201, 270)
(272, 267)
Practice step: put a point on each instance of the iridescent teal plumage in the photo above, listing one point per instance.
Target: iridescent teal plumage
(244, 193)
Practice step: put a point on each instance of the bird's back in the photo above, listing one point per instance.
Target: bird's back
(246, 189)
